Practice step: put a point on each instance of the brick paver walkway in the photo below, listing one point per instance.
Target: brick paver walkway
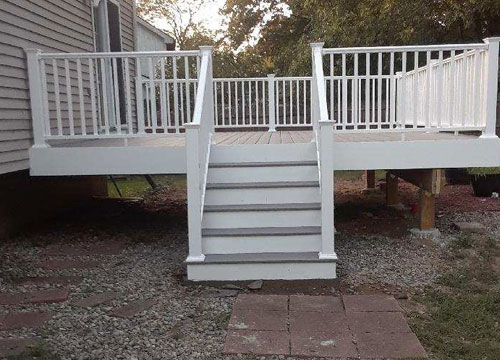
(357, 326)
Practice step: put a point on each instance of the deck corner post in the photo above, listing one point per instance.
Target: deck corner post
(369, 179)
(36, 97)
(194, 193)
(272, 105)
(327, 191)
(427, 210)
(491, 87)
(391, 189)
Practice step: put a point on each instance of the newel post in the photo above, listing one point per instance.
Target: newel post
(271, 101)
(36, 97)
(316, 53)
(491, 87)
(194, 192)
(208, 51)
(327, 192)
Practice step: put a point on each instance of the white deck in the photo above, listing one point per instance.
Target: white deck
(165, 154)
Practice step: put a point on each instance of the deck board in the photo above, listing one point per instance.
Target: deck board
(258, 137)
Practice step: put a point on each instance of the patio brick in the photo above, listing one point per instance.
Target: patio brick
(95, 300)
(258, 320)
(357, 303)
(35, 297)
(257, 342)
(52, 280)
(377, 322)
(393, 346)
(261, 302)
(132, 308)
(316, 303)
(314, 321)
(67, 264)
(11, 347)
(324, 344)
(11, 298)
(47, 296)
(24, 320)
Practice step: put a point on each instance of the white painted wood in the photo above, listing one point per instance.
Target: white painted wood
(326, 179)
(262, 196)
(263, 153)
(37, 111)
(491, 86)
(263, 174)
(290, 271)
(256, 244)
(257, 219)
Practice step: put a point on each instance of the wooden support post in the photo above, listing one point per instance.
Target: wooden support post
(427, 209)
(391, 189)
(370, 179)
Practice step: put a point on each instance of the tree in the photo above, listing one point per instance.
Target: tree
(180, 17)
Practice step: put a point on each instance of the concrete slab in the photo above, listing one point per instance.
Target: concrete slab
(314, 321)
(257, 342)
(357, 303)
(316, 303)
(258, 320)
(390, 346)
(24, 320)
(471, 227)
(324, 344)
(261, 302)
(377, 322)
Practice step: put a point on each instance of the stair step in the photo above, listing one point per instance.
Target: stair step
(263, 231)
(264, 164)
(262, 185)
(284, 257)
(262, 207)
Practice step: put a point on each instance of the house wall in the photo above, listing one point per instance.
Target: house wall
(52, 26)
(28, 201)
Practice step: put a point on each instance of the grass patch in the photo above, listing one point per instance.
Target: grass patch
(464, 316)
(137, 186)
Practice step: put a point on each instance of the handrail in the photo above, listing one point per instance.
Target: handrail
(198, 142)
(125, 54)
(376, 49)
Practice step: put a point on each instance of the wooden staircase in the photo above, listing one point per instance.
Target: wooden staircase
(262, 215)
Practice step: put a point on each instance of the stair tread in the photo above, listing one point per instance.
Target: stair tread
(281, 257)
(263, 164)
(263, 231)
(276, 184)
(263, 207)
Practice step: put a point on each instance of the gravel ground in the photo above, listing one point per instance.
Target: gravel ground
(186, 322)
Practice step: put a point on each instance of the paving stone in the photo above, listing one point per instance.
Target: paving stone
(47, 296)
(35, 297)
(108, 248)
(11, 299)
(52, 280)
(258, 320)
(356, 303)
(316, 303)
(95, 300)
(393, 346)
(257, 342)
(313, 321)
(324, 344)
(377, 322)
(24, 320)
(67, 264)
(261, 302)
(471, 227)
(132, 308)
(11, 347)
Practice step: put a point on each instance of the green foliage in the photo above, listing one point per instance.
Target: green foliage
(484, 171)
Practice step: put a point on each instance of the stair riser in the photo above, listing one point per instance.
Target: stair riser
(258, 219)
(262, 271)
(263, 153)
(262, 174)
(262, 196)
(261, 244)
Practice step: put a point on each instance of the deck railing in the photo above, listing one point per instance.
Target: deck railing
(413, 88)
(198, 141)
(99, 95)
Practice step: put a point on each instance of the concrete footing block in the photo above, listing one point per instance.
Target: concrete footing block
(426, 234)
